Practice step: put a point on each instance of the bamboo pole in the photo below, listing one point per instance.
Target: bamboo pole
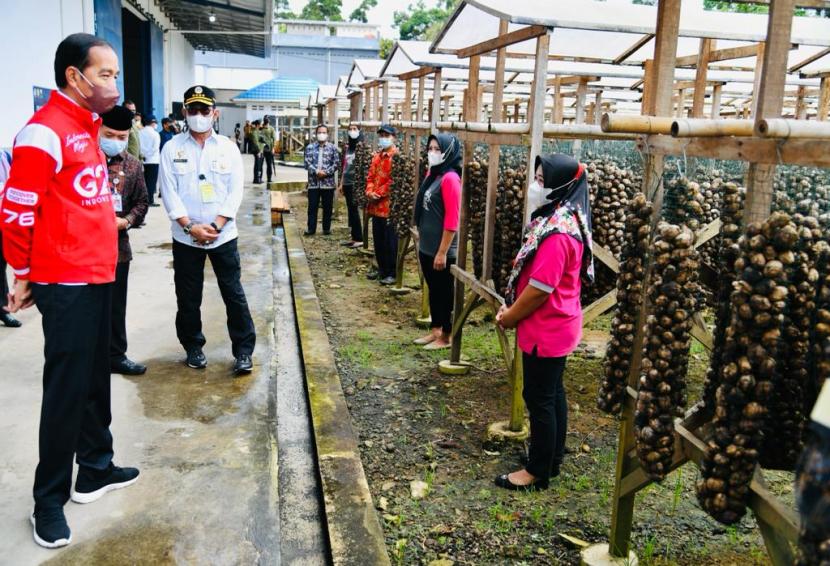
(612, 123)
(787, 129)
(705, 127)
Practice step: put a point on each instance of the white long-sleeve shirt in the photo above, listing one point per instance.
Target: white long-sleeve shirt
(149, 141)
(201, 183)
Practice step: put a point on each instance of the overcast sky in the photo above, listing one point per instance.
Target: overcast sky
(380, 15)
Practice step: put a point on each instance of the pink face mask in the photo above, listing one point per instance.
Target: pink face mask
(102, 99)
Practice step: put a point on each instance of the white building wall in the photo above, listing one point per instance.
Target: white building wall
(180, 67)
(232, 79)
(28, 59)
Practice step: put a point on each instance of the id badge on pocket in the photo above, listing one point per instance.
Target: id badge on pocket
(116, 202)
(208, 192)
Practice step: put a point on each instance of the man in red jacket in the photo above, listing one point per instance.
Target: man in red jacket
(60, 239)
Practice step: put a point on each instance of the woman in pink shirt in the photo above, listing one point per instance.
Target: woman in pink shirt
(436, 217)
(543, 305)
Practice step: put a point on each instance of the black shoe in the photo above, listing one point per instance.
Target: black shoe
(388, 280)
(243, 364)
(346, 243)
(49, 527)
(326, 232)
(92, 485)
(127, 367)
(196, 359)
(307, 233)
(504, 481)
(372, 275)
(9, 321)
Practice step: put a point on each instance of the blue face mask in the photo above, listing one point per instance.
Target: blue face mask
(112, 147)
(385, 143)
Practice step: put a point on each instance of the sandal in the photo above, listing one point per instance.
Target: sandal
(504, 482)
(424, 340)
(433, 346)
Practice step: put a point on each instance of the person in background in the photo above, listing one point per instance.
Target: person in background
(202, 186)
(168, 130)
(436, 215)
(150, 146)
(60, 239)
(268, 137)
(237, 136)
(246, 130)
(378, 190)
(255, 147)
(134, 145)
(321, 161)
(130, 200)
(346, 188)
(6, 318)
(542, 303)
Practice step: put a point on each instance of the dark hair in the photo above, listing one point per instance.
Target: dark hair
(266, 121)
(128, 101)
(237, 125)
(73, 51)
(317, 129)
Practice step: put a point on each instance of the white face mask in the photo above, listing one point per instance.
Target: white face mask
(354, 134)
(536, 198)
(322, 137)
(435, 158)
(199, 123)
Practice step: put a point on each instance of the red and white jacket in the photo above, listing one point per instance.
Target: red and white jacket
(57, 215)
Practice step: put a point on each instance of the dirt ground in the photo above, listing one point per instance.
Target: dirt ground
(416, 424)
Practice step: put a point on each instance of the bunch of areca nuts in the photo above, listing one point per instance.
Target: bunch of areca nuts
(630, 289)
(661, 392)
(509, 216)
(749, 365)
(362, 161)
(476, 178)
(402, 193)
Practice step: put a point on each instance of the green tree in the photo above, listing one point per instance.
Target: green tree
(386, 46)
(420, 22)
(323, 10)
(360, 14)
(282, 10)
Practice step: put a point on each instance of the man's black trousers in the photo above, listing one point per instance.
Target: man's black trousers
(4, 284)
(258, 168)
(544, 395)
(75, 414)
(385, 240)
(151, 177)
(441, 293)
(118, 341)
(314, 198)
(269, 165)
(355, 224)
(189, 277)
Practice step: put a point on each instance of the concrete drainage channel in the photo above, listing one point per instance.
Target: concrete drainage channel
(326, 509)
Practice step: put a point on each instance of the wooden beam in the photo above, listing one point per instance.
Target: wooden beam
(633, 49)
(798, 3)
(558, 109)
(770, 98)
(598, 307)
(726, 54)
(800, 65)
(435, 103)
(571, 80)
(418, 73)
(699, 95)
(824, 100)
(517, 36)
(716, 96)
(759, 74)
(384, 104)
(581, 92)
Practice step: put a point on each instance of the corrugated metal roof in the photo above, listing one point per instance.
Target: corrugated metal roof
(280, 88)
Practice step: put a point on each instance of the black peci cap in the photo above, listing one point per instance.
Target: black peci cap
(200, 94)
(118, 118)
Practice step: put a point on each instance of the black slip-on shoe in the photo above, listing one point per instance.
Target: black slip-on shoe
(243, 364)
(49, 527)
(127, 367)
(90, 486)
(9, 321)
(196, 359)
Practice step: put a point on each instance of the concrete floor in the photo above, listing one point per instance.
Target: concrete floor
(205, 442)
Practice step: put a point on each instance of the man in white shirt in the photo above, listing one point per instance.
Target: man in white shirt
(201, 186)
(150, 142)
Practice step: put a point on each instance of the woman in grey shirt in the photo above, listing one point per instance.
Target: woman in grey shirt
(346, 188)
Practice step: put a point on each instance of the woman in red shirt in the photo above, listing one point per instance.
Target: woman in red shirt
(542, 303)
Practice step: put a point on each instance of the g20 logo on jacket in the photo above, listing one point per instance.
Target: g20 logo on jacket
(91, 184)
